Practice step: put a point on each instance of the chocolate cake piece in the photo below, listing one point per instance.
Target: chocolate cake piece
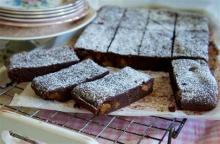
(157, 42)
(58, 85)
(191, 21)
(114, 91)
(191, 37)
(194, 85)
(125, 45)
(135, 19)
(126, 42)
(25, 66)
(94, 41)
(109, 16)
(161, 20)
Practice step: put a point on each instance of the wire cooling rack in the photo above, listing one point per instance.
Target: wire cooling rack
(105, 129)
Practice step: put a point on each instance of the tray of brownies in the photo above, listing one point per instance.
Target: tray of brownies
(128, 61)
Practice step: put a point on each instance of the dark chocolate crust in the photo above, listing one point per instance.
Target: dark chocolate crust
(114, 91)
(58, 85)
(23, 67)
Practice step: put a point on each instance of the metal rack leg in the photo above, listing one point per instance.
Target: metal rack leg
(171, 130)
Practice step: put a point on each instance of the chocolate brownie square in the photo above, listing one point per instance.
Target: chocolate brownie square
(194, 85)
(25, 66)
(113, 91)
(58, 85)
(191, 37)
(94, 41)
(156, 47)
(135, 19)
(109, 16)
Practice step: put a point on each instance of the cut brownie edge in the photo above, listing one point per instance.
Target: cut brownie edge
(120, 61)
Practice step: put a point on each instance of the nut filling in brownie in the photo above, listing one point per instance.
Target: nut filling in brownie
(58, 85)
(113, 91)
(194, 85)
(25, 66)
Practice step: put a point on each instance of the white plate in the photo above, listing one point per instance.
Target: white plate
(20, 33)
(76, 6)
(53, 21)
(45, 20)
(35, 5)
(77, 2)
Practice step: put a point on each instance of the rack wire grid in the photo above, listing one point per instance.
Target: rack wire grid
(105, 129)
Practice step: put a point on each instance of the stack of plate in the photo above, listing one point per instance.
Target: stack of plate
(36, 13)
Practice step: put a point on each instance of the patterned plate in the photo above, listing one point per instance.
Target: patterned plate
(34, 5)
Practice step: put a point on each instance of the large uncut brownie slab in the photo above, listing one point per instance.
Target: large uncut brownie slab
(145, 39)
(191, 37)
(114, 91)
(157, 42)
(25, 66)
(58, 85)
(194, 85)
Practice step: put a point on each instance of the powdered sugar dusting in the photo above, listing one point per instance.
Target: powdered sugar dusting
(71, 76)
(126, 42)
(109, 16)
(96, 37)
(111, 85)
(42, 57)
(135, 19)
(161, 20)
(191, 44)
(156, 43)
(157, 40)
(195, 82)
(192, 36)
(191, 21)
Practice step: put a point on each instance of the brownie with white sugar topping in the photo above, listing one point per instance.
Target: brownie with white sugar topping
(157, 41)
(109, 16)
(160, 19)
(135, 19)
(25, 66)
(191, 37)
(124, 48)
(113, 91)
(95, 38)
(194, 85)
(94, 41)
(191, 21)
(58, 85)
